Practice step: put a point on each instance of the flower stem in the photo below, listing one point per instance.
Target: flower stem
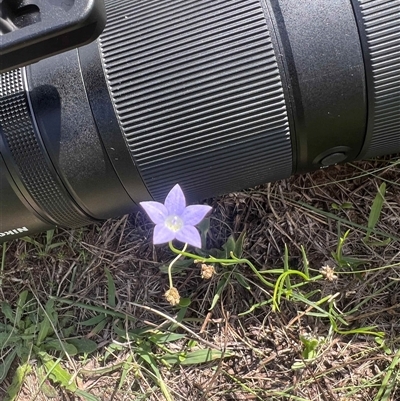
(232, 261)
(172, 263)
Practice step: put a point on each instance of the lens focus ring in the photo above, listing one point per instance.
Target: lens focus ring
(379, 25)
(26, 158)
(198, 93)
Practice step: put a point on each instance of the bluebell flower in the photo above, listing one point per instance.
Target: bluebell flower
(175, 220)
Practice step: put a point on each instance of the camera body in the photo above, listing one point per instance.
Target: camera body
(33, 30)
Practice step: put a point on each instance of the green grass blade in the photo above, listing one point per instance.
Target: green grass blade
(164, 338)
(345, 221)
(126, 367)
(21, 306)
(389, 380)
(110, 289)
(220, 288)
(46, 326)
(86, 396)
(376, 210)
(149, 359)
(93, 320)
(241, 280)
(196, 357)
(6, 364)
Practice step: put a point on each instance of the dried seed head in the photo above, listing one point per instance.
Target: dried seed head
(172, 296)
(207, 271)
(328, 272)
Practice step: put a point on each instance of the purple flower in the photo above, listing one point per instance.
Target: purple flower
(175, 220)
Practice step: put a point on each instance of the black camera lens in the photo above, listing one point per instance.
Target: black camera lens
(216, 95)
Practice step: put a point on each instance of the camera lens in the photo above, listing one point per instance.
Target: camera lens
(216, 95)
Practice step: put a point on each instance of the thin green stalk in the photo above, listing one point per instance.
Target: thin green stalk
(233, 261)
(171, 284)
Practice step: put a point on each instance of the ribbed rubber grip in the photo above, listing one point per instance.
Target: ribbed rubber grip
(28, 157)
(379, 24)
(198, 94)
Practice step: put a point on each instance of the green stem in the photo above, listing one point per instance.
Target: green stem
(232, 261)
(172, 263)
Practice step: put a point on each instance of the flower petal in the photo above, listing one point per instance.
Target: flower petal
(189, 235)
(162, 234)
(156, 211)
(175, 201)
(194, 214)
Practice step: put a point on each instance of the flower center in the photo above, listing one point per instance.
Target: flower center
(174, 223)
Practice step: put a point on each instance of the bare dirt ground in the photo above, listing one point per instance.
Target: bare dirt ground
(260, 347)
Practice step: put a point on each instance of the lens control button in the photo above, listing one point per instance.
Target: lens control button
(333, 159)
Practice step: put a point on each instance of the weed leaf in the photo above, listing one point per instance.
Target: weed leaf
(7, 312)
(204, 227)
(18, 379)
(57, 373)
(62, 346)
(238, 250)
(20, 307)
(195, 357)
(83, 345)
(46, 386)
(228, 247)
(45, 330)
(6, 364)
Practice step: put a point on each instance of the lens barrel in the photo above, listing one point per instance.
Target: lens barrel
(215, 95)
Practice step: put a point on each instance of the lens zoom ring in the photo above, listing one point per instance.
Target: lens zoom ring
(27, 154)
(198, 94)
(380, 26)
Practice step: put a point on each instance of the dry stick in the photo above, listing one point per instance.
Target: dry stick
(219, 367)
(122, 314)
(172, 320)
(269, 202)
(205, 323)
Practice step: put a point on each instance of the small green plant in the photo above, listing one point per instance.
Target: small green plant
(341, 260)
(342, 206)
(44, 250)
(311, 347)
